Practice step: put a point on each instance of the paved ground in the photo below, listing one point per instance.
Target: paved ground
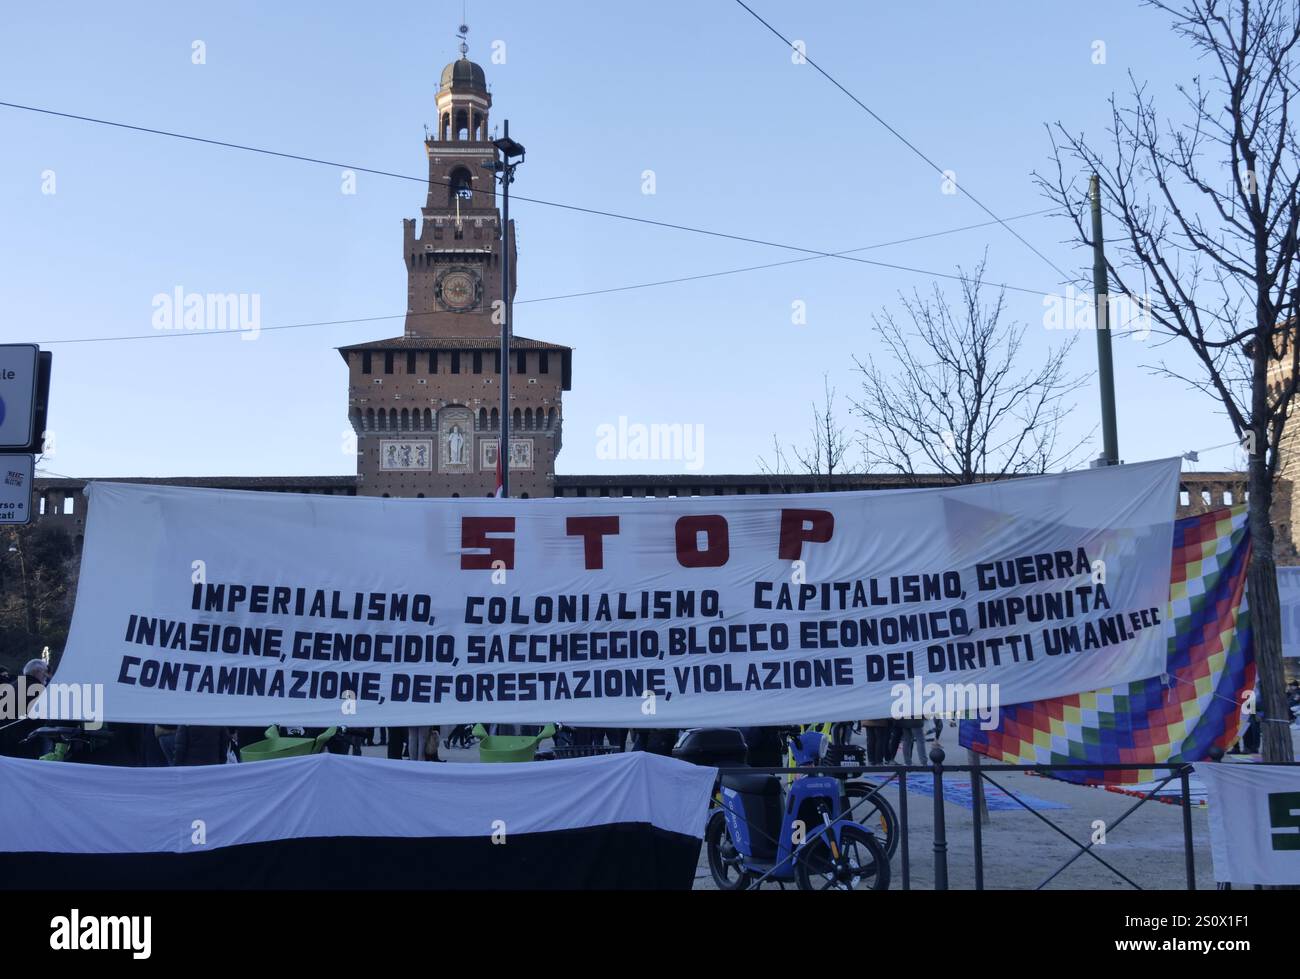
(1020, 851)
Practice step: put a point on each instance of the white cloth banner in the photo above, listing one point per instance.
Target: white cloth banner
(1254, 822)
(1288, 593)
(53, 808)
(219, 607)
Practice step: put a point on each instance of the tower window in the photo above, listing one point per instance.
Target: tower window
(410, 362)
(388, 362)
(478, 362)
(496, 361)
(455, 361)
(433, 361)
(521, 363)
(365, 362)
(543, 363)
(461, 185)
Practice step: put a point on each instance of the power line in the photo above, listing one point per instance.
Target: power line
(203, 333)
(531, 200)
(901, 138)
(796, 261)
(572, 295)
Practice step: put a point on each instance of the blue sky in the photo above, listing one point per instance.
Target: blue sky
(740, 140)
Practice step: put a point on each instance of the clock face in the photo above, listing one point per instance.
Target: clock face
(458, 289)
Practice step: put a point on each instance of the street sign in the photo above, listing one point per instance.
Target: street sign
(19, 376)
(16, 472)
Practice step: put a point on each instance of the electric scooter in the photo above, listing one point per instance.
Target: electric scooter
(759, 832)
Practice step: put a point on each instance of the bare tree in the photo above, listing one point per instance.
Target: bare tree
(830, 452)
(956, 402)
(38, 576)
(958, 405)
(1207, 211)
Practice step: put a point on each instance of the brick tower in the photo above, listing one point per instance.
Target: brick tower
(425, 406)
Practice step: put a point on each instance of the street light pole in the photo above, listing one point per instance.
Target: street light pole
(504, 166)
(1105, 368)
(28, 612)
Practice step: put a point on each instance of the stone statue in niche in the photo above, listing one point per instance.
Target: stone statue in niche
(455, 439)
(456, 447)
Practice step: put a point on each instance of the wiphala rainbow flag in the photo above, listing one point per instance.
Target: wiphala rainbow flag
(1176, 717)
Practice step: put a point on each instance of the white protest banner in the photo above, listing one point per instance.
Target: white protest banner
(1254, 822)
(219, 607)
(1288, 593)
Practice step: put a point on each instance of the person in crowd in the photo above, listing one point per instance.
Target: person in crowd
(14, 730)
(617, 737)
(165, 734)
(660, 741)
(148, 752)
(416, 740)
(422, 743)
(36, 671)
(396, 743)
(460, 737)
(893, 740)
(877, 739)
(431, 748)
(1250, 740)
(913, 736)
(200, 745)
(766, 750)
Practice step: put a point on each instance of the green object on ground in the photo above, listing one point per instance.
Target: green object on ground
(276, 746)
(509, 747)
(59, 753)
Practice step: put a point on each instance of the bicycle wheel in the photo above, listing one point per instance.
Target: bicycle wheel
(725, 862)
(868, 807)
(861, 862)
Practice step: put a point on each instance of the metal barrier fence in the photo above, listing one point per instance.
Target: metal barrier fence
(980, 774)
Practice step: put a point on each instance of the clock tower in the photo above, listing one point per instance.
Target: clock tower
(453, 264)
(425, 406)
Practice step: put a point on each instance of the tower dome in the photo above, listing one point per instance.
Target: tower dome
(463, 75)
(463, 100)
